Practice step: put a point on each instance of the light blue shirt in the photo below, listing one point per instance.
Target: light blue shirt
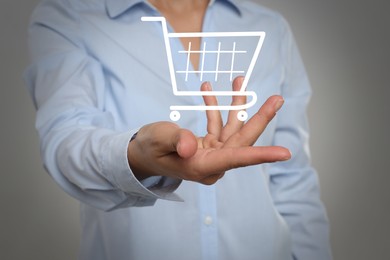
(98, 74)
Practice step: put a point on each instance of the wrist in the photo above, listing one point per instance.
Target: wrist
(133, 161)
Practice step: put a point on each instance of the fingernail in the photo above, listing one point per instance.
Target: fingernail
(208, 86)
(278, 104)
(287, 156)
(242, 80)
(290, 156)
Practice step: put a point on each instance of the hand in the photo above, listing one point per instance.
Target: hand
(164, 149)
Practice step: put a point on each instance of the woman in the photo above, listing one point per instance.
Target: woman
(100, 82)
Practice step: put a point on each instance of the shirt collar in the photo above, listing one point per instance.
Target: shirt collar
(117, 7)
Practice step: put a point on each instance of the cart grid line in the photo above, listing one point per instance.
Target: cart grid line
(215, 34)
(202, 68)
(232, 63)
(210, 71)
(188, 59)
(221, 51)
(217, 71)
(217, 65)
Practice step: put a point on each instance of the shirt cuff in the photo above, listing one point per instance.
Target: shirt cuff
(117, 170)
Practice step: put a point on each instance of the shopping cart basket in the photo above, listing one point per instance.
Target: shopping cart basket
(223, 62)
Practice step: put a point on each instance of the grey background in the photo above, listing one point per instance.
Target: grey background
(345, 46)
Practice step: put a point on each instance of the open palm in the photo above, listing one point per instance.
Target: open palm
(164, 149)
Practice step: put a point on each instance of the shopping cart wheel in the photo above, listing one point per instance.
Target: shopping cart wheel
(175, 115)
(242, 115)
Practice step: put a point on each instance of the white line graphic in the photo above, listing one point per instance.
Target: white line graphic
(188, 59)
(221, 50)
(232, 63)
(203, 56)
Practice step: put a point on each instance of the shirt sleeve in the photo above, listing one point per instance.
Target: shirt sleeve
(80, 147)
(294, 183)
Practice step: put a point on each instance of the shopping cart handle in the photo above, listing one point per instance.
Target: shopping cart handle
(153, 19)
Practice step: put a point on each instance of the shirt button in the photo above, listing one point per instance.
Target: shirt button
(208, 220)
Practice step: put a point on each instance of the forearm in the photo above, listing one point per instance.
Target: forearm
(91, 165)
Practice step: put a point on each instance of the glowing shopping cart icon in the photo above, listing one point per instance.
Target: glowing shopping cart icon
(220, 61)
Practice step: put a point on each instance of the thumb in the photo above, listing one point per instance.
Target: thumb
(185, 143)
(166, 137)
